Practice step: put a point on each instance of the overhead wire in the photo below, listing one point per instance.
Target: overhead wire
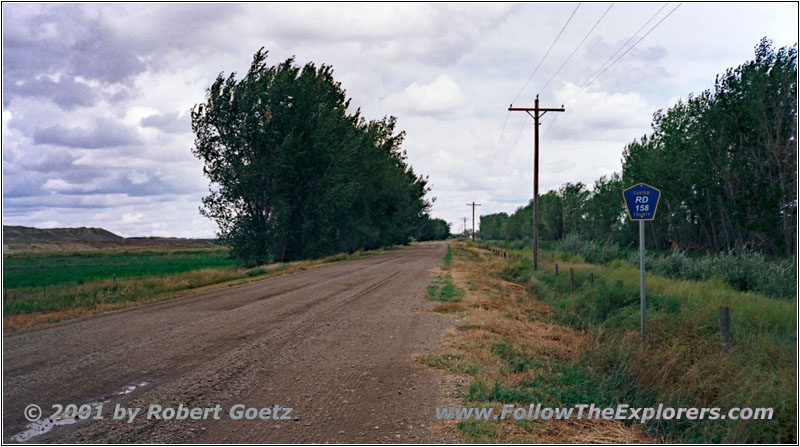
(597, 73)
(601, 70)
(626, 51)
(505, 159)
(563, 64)
(508, 113)
(576, 49)
(545, 54)
(633, 36)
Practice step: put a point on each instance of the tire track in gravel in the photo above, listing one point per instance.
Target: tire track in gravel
(313, 339)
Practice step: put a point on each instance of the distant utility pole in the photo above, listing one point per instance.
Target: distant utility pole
(473, 205)
(465, 224)
(537, 113)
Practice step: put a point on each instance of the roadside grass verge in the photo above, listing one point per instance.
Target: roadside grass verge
(29, 306)
(510, 350)
(448, 257)
(682, 364)
(443, 290)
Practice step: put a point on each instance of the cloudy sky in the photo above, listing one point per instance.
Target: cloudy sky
(96, 97)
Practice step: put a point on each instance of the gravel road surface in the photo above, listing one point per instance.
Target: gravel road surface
(334, 344)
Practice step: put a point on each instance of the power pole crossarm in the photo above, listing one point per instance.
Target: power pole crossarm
(538, 112)
(473, 205)
(536, 109)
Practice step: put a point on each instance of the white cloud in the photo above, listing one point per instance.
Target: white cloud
(128, 218)
(138, 177)
(442, 98)
(59, 185)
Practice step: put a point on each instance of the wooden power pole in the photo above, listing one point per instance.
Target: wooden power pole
(473, 205)
(538, 112)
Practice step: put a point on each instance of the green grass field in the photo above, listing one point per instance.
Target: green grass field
(48, 287)
(36, 270)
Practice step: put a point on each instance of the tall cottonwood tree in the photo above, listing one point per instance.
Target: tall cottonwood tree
(293, 174)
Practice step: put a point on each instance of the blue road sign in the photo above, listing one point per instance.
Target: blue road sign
(642, 201)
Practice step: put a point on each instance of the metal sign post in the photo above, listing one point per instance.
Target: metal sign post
(642, 300)
(641, 201)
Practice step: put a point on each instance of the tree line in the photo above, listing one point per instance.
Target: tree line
(725, 161)
(294, 175)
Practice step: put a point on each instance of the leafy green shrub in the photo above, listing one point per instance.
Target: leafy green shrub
(520, 244)
(745, 270)
(595, 252)
(608, 300)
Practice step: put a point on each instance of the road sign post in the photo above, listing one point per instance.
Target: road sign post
(641, 201)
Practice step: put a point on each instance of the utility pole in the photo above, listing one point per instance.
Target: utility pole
(465, 224)
(473, 205)
(538, 112)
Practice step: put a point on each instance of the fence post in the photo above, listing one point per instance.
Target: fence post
(725, 326)
(556, 268)
(591, 279)
(572, 279)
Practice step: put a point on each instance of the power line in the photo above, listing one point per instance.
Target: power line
(547, 129)
(505, 122)
(500, 137)
(626, 51)
(625, 44)
(576, 49)
(545, 54)
(511, 149)
(602, 70)
(516, 140)
(494, 165)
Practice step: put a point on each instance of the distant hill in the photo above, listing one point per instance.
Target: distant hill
(30, 235)
(18, 239)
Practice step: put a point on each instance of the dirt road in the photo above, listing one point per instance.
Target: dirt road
(334, 344)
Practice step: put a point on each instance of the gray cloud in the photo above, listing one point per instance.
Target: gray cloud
(104, 133)
(42, 159)
(168, 122)
(18, 183)
(50, 39)
(63, 40)
(66, 93)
